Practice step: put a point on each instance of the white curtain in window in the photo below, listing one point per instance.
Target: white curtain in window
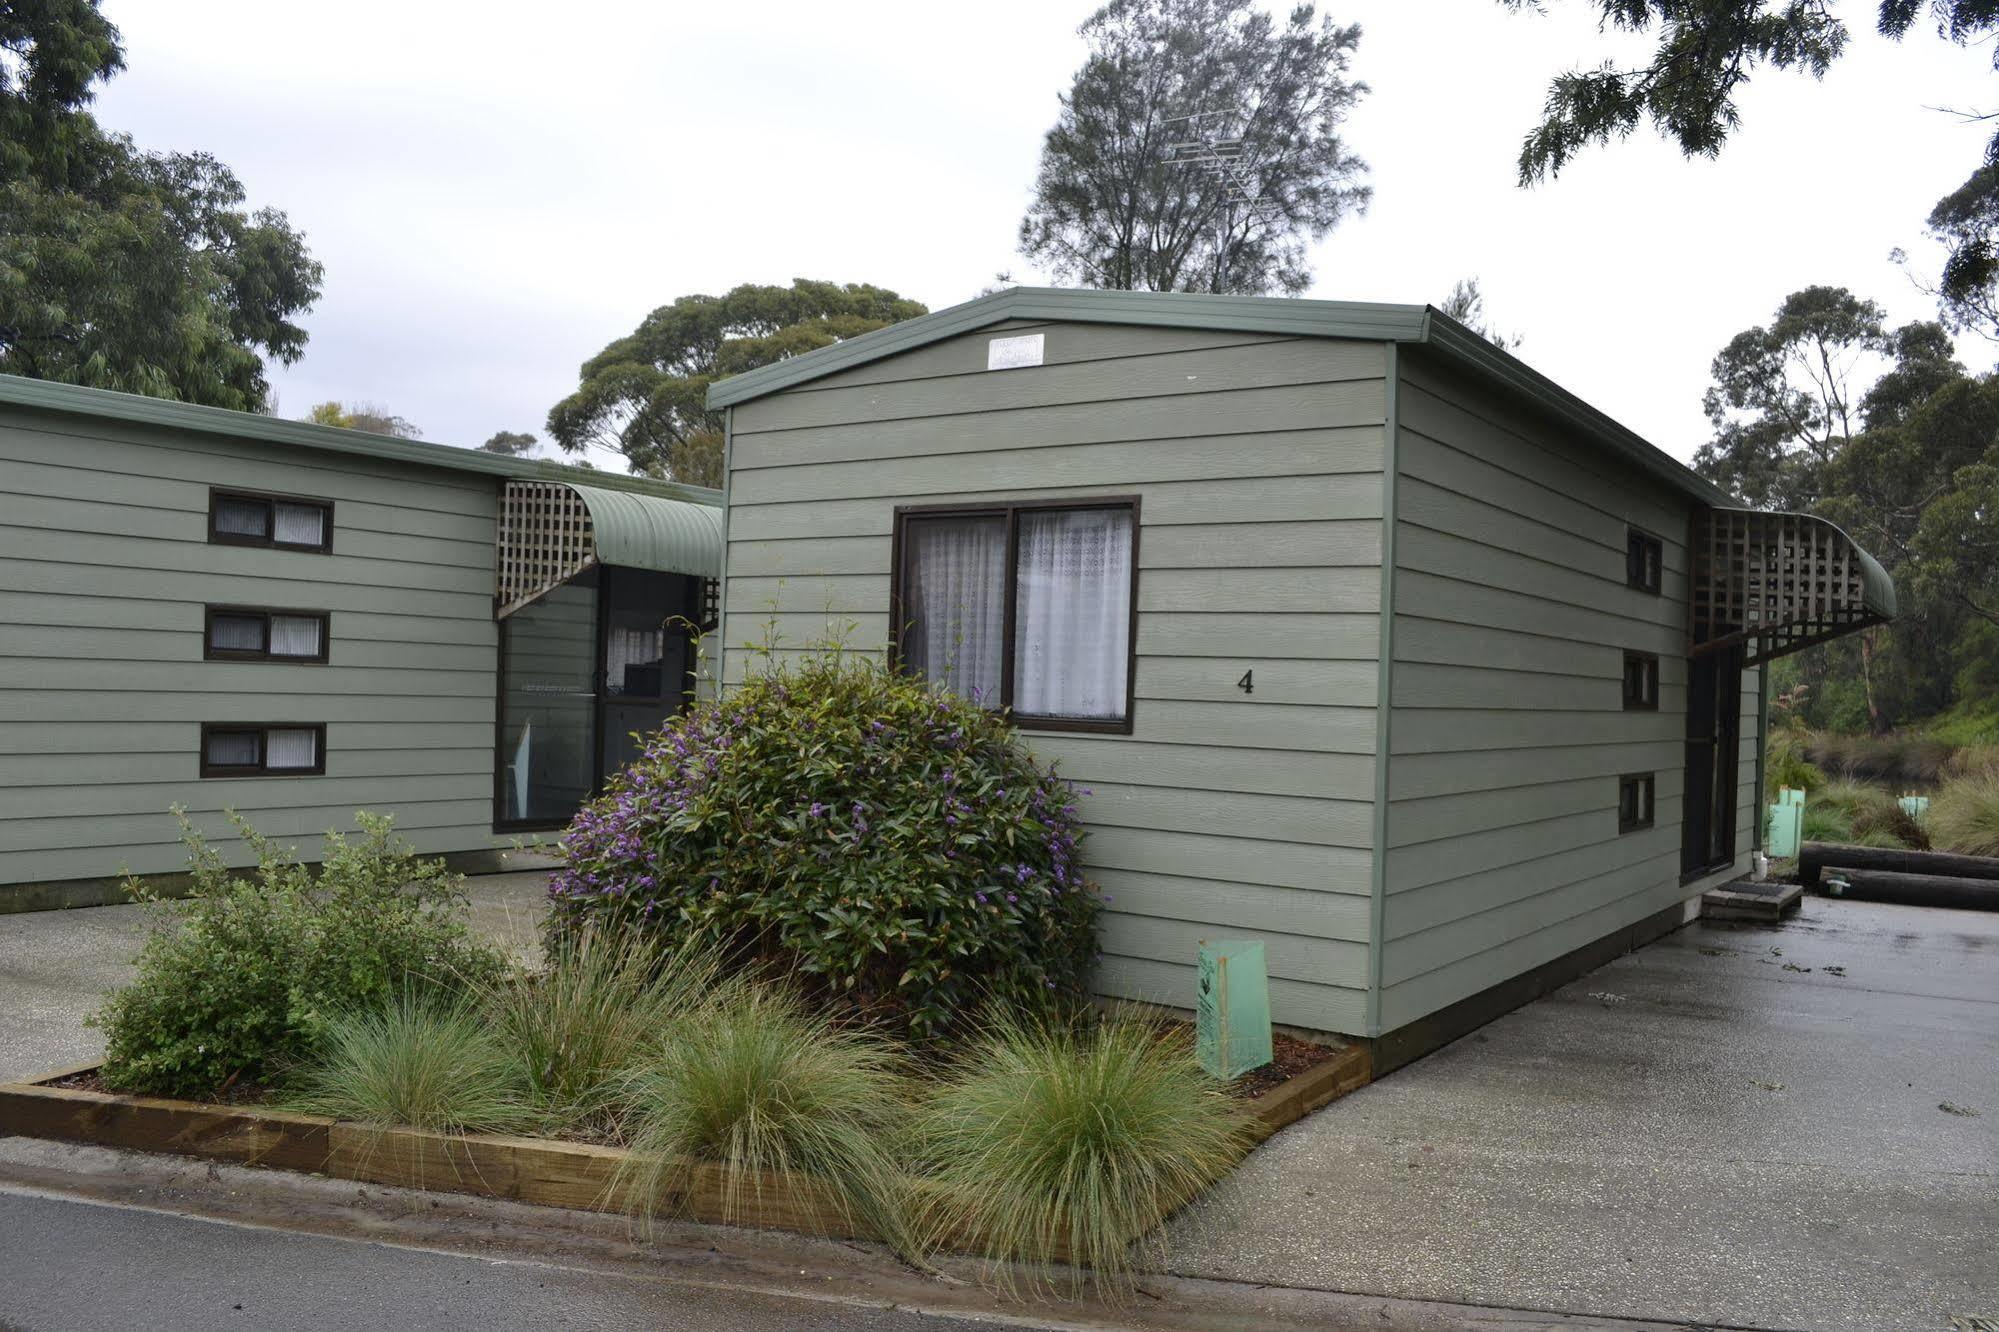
(300, 524)
(232, 749)
(295, 635)
(632, 659)
(239, 517)
(1072, 624)
(236, 633)
(955, 603)
(292, 748)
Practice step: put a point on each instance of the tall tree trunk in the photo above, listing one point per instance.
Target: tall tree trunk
(1875, 724)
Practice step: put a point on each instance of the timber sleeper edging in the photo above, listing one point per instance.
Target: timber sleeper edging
(550, 1172)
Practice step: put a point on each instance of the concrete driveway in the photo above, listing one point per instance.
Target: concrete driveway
(1789, 1127)
(55, 966)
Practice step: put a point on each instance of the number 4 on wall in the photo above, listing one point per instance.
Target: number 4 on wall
(1248, 682)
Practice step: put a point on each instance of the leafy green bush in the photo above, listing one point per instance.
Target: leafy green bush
(1785, 765)
(755, 1080)
(837, 819)
(250, 971)
(1076, 1139)
(1964, 816)
(426, 1062)
(599, 1010)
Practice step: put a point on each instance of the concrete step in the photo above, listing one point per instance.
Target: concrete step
(1748, 900)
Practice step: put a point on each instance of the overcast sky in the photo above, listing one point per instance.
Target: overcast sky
(497, 190)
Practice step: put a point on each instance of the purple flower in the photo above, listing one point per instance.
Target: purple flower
(1011, 898)
(817, 809)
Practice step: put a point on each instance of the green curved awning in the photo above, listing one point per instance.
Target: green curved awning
(1780, 582)
(652, 532)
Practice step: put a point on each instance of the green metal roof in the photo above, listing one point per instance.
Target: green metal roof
(44, 395)
(651, 532)
(1366, 321)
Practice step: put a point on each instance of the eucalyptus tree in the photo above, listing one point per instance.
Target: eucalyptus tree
(1198, 149)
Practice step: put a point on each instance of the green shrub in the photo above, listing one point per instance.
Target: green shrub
(1964, 816)
(1078, 1138)
(1785, 765)
(596, 1012)
(424, 1062)
(249, 972)
(755, 1080)
(833, 818)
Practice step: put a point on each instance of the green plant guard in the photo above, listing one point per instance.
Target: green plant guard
(1232, 1008)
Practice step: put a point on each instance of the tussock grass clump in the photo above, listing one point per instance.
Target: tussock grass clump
(1972, 761)
(1052, 1140)
(1964, 816)
(756, 1080)
(426, 1063)
(1899, 758)
(598, 1011)
(1870, 816)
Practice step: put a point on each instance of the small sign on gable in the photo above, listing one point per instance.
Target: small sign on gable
(1012, 353)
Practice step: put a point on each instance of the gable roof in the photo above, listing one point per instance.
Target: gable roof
(1414, 325)
(105, 404)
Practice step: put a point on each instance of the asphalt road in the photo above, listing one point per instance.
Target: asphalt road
(81, 1266)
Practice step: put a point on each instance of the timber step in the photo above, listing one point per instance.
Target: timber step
(1747, 900)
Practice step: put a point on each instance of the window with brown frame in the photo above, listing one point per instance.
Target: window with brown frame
(263, 749)
(1643, 558)
(1634, 801)
(1641, 682)
(1026, 606)
(282, 522)
(263, 633)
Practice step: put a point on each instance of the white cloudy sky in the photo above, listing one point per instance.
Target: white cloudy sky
(498, 190)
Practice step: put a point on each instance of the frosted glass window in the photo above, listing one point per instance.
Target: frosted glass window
(238, 516)
(234, 749)
(300, 524)
(297, 635)
(236, 633)
(292, 748)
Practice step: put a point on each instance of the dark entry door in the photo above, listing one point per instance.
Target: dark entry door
(645, 628)
(1714, 727)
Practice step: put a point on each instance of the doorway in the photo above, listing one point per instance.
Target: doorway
(1714, 730)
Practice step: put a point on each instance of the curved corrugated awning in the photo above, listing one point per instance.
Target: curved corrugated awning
(550, 531)
(1780, 582)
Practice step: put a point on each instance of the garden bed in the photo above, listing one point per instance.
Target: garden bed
(65, 1106)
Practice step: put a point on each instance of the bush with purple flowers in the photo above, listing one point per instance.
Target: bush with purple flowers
(891, 843)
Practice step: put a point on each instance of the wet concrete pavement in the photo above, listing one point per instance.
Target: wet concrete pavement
(56, 966)
(1736, 1125)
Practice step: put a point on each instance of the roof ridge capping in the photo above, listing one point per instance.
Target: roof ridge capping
(1363, 320)
(109, 404)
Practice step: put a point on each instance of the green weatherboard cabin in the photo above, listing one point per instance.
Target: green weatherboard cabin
(228, 611)
(1370, 642)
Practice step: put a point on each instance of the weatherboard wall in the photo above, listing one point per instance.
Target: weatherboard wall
(1258, 461)
(105, 568)
(1508, 731)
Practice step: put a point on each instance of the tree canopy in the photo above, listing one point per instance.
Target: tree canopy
(645, 395)
(368, 416)
(1707, 49)
(1466, 304)
(1198, 149)
(125, 269)
(1827, 411)
(510, 443)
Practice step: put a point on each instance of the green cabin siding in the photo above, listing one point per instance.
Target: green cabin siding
(1509, 732)
(105, 568)
(1258, 461)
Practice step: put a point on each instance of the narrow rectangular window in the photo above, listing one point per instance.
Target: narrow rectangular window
(1634, 801)
(282, 522)
(1643, 554)
(1027, 607)
(259, 633)
(1641, 682)
(262, 749)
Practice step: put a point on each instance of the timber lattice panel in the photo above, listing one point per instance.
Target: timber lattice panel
(1775, 582)
(545, 540)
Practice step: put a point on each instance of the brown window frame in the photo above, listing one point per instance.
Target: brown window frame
(1010, 510)
(1645, 788)
(1645, 699)
(209, 652)
(261, 768)
(270, 500)
(1644, 560)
